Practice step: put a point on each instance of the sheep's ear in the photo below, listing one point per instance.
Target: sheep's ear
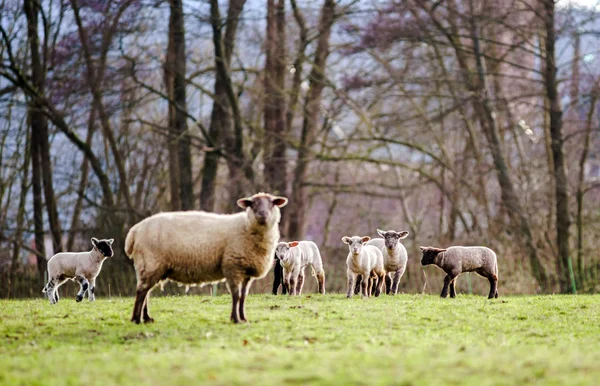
(94, 241)
(346, 240)
(280, 201)
(402, 235)
(365, 239)
(244, 202)
(440, 250)
(381, 233)
(423, 248)
(293, 244)
(110, 241)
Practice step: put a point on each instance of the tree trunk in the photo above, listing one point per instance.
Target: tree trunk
(172, 143)
(220, 119)
(311, 111)
(184, 158)
(561, 184)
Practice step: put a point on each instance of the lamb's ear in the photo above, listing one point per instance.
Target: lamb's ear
(402, 235)
(279, 201)
(440, 250)
(423, 249)
(365, 239)
(244, 202)
(293, 244)
(94, 241)
(110, 241)
(381, 233)
(346, 240)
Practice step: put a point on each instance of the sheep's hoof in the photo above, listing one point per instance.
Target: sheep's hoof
(134, 320)
(149, 320)
(79, 298)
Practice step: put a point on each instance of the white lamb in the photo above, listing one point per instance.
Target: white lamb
(83, 267)
(199, 247)
(394, 255)
(295, 257)
(364, 260)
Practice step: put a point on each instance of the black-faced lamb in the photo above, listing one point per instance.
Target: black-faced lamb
(394, 256)
(364, 260)
(455, 260)
(199, 247)
(82, 267)
(295, 257)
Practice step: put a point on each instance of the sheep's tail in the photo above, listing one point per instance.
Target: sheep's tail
(129, 242)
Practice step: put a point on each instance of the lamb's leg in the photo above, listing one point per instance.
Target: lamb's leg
(321, 281)
(84, 285)
(396, 282)
(366, 284)
(493, 286)
(380, 284)
(286, 281)
(300, 283)
(358, 284)
(278, 276)
(388, 284)
(51, 290)
(351, 279)
(447, 280)
(292, 285)
(235, 287)
(56, 297)
(452, 289)
(245, 288)
(92, 290)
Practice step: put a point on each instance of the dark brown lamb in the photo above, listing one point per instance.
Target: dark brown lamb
(456, 260)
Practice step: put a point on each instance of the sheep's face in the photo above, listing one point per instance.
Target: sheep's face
(104, 246)
(392, 237)
(355, 243)
(263, 208)
(429, 255)
(282, 249)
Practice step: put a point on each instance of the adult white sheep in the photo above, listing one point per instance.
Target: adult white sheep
(394, 255)
(82, 267)
(295, 257)
(364, 260)
(199, 247)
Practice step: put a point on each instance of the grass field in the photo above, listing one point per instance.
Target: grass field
(407, 339)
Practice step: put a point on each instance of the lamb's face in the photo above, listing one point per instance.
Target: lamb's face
(282, 250)
(429, 255)
(355, 243)
(263, 208)
(392, 237)
(104, 246)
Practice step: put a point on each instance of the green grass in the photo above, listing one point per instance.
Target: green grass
(407, 339)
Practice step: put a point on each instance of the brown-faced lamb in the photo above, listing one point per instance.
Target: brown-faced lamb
(455, 260)
(364, 260)
(394, 256)
(199, 247)
(295, 257)
(82, 267)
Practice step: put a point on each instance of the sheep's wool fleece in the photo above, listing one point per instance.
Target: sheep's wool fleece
(471, 258)
(369, 259)
(201, 247)
(392, 262)
(305, 253)
(71, 264)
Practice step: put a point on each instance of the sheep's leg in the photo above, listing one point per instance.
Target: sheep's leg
(286, 281)
(358, 284)
(292, 285)
(493, 286)
(140, 309)
(351, 279)
(452, 288)
(366, 284)
(92, 290)
(372, 283)
(388, 284)
(321, 281)
(447, 280)
(56, 297)
(51, 290)
(245, 288)
(84, 285)
(278, 277)
(236, 295)
(300, 283)
(380, 284)
(396, 282)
